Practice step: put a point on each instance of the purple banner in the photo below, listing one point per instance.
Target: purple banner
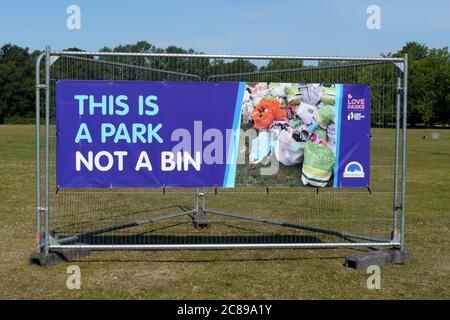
(352, 168)
(131, 134)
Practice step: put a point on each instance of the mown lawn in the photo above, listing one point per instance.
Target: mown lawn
(258, 274)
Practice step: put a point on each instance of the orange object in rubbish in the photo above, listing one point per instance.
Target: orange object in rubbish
(281, 115)
(266, 112)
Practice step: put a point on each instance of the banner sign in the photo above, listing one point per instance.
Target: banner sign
(133, 134)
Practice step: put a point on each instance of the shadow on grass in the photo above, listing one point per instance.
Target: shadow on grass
(142, 239)
(211, 239)
(214, 260)
(129, 215)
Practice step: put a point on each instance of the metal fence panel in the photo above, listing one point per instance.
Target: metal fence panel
(300, 217)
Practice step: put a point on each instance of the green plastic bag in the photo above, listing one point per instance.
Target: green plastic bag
(328, 95)
(318, 164)
(293, 95)
(321, 133)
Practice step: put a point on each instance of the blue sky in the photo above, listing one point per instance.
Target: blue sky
(231, 26)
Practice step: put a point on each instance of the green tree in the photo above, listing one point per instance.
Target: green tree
(16, 82)
(234, 70)
(415, 51)
(428, 83)
(439, 62)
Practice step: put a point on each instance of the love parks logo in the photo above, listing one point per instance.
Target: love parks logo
(355, 104)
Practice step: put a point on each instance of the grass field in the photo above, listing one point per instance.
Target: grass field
(259, 274)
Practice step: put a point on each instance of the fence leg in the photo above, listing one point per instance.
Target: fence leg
(394, 235)
(200, 217)
(380, 258)
(43, 258)
(405, 111)
(47, 147)
(38, 152)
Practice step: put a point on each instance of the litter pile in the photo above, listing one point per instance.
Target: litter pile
(295, 122)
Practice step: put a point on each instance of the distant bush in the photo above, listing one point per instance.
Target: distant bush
(19, 120)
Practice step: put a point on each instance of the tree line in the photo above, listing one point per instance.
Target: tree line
(428, 85)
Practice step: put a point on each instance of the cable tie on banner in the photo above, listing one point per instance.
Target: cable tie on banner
(267, 189)
(164, 190)
(368, 189)
(215, 190)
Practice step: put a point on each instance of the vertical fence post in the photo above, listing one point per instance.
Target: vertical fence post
(204, 198)
(397, 153)
(196, 199)
(47, 145)
(38, 153)
(405, 111)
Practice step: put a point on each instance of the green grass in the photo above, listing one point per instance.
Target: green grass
(258, 274)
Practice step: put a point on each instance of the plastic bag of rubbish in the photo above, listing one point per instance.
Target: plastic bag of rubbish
(259, 87)
(306, 111)
(288, 151)
(258, 96)
(275, 129)
(311, 93)
(319, 136)
(247, 109)
(260, 147)
(293, 95)
(295, 122)
(266, 112)
(318, 164)
(325, 116)
(247, 106)
(277, 89)
(328, 95)
(331, 133)
(332, 147)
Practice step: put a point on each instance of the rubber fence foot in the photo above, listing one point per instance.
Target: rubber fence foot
(45, 259)
(57, 256)
(379, 258)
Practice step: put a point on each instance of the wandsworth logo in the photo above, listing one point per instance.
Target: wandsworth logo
(353, 169)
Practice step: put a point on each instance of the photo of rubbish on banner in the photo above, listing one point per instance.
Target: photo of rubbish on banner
(299, 128)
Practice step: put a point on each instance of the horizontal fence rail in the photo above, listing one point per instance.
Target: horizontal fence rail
(223, 56)
(246, 246)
